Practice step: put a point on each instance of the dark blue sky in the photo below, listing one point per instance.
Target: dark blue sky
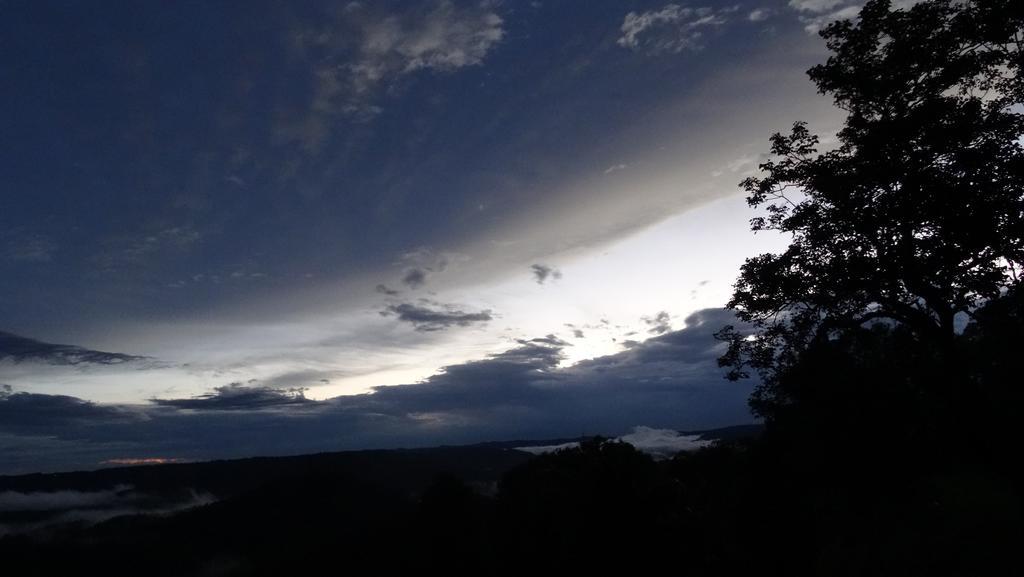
(150, 144)
(342, 195)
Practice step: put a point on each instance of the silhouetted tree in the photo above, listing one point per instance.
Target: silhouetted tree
(599, 508)
(916, 214)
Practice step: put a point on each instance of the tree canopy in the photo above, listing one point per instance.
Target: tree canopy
(914, 214)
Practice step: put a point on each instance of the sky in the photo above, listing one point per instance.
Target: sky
(232, 229)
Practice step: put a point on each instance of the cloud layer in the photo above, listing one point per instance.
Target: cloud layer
(668, 381)
(54, 508)
(659, 443)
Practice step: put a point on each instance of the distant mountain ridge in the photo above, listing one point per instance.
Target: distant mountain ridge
(277, 515)
(477, 462)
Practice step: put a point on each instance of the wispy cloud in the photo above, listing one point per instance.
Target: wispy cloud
(52, 508)
(422, 263)
(368, 51)
(444, 38)
(140, 249)
(672, 29)
(760, 14)
(549, 340)
(659, 324)
(817, 6)
(21, 246)
(671, 380)
(817, 14)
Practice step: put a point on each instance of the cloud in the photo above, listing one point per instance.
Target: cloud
(415, 278)
(52, 508)
(816, 6)
(694, 292)
(424, 262)
(20, 246)
(671, 378)
(33, 413)
(19, 349)
(238, 396)
(476, 391)
(662, 443)
(549, 340)
(659, 324)
(672, 29)
(578, 331)
(693, 344)
(435, 316)
(383, 289)
(445, 38)
(302, 378)
(817, 14)
(369, 50)
(138, 250)
(543, 272)
(659, 443)
(544, 449)
(759, 14)
(670, 381)
(44, 501)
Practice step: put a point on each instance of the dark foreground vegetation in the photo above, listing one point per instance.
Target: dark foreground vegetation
(887, 339)
(876, 474)
(854, 498)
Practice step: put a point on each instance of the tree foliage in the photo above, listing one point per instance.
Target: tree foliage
(915, 214)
